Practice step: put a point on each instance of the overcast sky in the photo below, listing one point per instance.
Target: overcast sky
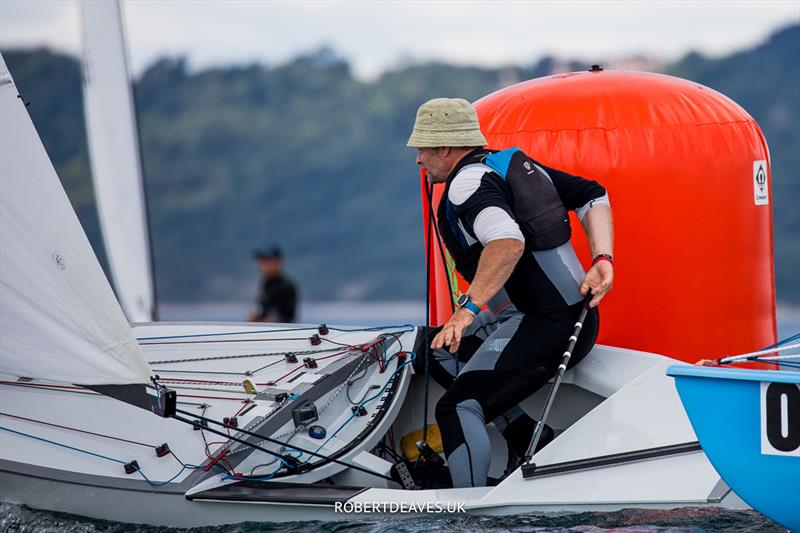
(377, 35)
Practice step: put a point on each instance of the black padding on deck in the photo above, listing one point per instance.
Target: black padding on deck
(255, 491)
(532, 470)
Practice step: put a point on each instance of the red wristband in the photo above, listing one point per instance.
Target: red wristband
(602, 257)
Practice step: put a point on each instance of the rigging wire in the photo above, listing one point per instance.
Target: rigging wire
(79, 430)
(369, 349)
(266, 354)
(355, 411)
(350, 383)
(289, 464)
(752, 355)
(791, 338)
(404, 328)
(152, 483)
(345, 385)
(265, 339)
(242, 356)
(292, 465)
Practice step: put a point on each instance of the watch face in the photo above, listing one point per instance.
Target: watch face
(462, 300)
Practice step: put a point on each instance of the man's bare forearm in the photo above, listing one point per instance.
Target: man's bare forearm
(599, 227)
(497, 261)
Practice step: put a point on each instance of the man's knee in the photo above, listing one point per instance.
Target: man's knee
(520, 387)
(445, 407)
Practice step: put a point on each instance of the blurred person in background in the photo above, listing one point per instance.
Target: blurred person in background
(277, 300)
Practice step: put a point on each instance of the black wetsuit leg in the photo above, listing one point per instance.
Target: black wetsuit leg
(511, 364)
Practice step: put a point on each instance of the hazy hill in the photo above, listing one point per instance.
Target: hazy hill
(307, 156)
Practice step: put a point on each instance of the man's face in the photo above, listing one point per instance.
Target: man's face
(436, 165)
(269, 267)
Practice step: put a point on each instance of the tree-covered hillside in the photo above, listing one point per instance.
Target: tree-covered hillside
(307, 156)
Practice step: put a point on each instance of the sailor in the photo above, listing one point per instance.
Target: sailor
(495, 251)
(277, 300)
(515, 425)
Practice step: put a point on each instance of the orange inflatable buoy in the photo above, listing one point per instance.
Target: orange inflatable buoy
(688, 174)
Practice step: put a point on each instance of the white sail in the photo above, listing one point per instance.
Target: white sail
(114, 156)
(59, 319)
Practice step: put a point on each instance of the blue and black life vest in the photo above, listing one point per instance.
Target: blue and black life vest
(534, 201)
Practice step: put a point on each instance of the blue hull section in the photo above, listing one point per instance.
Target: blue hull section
(748, 423)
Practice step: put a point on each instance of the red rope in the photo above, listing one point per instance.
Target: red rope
(79, 430)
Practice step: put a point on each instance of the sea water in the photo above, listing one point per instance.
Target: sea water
(23, 519)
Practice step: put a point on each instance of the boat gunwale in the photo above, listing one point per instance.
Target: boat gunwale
(739, 374)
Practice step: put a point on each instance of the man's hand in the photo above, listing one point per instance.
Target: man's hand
(707, 362)
(453, 331)
(599, 280)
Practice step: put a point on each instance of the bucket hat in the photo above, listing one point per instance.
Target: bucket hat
(446, 122)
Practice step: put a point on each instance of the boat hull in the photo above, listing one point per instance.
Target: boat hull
(731, 413)
(169, 508)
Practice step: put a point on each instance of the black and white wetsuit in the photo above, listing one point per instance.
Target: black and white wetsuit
(523, 350)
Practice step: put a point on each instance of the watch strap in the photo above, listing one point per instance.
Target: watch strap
(602, 257)
(469, 306)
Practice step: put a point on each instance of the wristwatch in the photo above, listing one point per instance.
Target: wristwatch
(465, 303)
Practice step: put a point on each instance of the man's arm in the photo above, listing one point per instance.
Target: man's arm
(599, 227)
(496, 264)
(590, 201)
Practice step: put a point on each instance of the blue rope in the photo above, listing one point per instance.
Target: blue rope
(162, 483)
(406, 328)
(787, 340)
(87, 452)
(265, 477)
(63, 445)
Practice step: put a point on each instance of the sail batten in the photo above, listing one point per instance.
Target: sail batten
(59, 319)
(115, 159)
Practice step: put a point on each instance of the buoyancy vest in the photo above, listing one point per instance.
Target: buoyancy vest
(534, 201)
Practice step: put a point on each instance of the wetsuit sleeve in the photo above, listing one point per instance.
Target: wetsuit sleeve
(578, 194)
(482, 206)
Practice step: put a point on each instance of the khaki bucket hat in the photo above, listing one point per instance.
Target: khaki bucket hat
(446, 122)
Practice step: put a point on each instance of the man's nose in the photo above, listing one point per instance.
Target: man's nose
(419, 159)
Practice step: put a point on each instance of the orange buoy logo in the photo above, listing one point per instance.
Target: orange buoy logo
(760, 188)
